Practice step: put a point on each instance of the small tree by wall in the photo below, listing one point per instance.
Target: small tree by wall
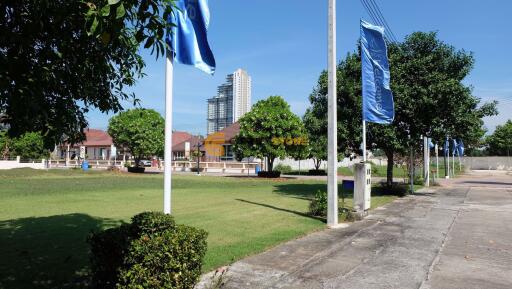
(500, 142)
(30, 145)
(270, 130)
(140, 130)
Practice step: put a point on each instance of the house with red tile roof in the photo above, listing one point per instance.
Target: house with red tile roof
(98, 145)
(184, 144)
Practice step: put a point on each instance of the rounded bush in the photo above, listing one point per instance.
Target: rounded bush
(150, 252)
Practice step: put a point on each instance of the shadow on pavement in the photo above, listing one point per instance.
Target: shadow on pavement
(47, 252)
(487, 183)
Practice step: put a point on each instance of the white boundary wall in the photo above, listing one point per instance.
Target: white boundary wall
(487, 163)
(17, 163)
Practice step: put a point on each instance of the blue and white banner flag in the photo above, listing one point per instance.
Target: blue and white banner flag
(454, 147)
(446, 148)
(430, 143)
(460, 148)
(188, 38)
(378, 103)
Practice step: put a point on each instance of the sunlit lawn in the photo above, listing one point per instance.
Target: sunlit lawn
(45, 217)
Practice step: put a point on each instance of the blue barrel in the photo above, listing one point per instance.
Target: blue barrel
(85, 165)
(257, 169)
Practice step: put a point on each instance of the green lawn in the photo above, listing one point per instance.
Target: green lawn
(45, 217)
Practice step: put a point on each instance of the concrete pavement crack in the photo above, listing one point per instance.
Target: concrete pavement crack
(436, 259)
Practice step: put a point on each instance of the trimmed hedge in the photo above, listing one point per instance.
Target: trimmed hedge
(272, 174)
(150, 252)
(317, 173)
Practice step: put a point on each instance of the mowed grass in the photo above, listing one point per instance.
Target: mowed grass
(45, 217)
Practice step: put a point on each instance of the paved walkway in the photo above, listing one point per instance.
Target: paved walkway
(458, 236)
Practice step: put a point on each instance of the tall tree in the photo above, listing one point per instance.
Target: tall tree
(270, 130)
(60, 58)
(500, 142)
(430, 98)
(140, 130)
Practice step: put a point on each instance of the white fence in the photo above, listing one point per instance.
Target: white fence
(215, 167)
(19, 163)
(177, 166)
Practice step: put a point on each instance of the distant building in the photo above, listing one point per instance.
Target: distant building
(98, 145)
(232, 101)
(219, 145)
(184, 144)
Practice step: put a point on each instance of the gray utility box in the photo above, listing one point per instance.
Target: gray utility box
(362, 187)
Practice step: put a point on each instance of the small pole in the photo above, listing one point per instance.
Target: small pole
(412, 170)
(426, 174)
(198, 154)
(437, 162)
(364, 141)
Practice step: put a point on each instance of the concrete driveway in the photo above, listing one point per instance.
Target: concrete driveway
(456, 236)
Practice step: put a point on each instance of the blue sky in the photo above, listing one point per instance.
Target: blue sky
(283, 46)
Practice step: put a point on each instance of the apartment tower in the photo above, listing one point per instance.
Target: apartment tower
(232, 101)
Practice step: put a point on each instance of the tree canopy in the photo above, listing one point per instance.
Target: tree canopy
(30, 145)
(270, 130)
(500, 142)
(60, 58)
(430, 99)
(140, 130)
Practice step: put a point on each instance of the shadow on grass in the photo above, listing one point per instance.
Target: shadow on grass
(282, 210)
(47, 252)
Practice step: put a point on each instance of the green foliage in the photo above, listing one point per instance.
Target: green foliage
(139, 130)
(5, 145)
(150, 252)
(269, 121)
(30, 145)
(60, 58)
(284, 169)
(500, 142)
(318, 205)
(430, 99)
(171, 259)
(317, 135)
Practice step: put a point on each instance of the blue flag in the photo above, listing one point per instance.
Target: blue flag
(446, 148)
(430, 143)
(378, 103)
(454, 148)
(188, 38)
(460, 148)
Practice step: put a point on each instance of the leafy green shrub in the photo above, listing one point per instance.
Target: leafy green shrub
(272, 174)
(171, 259)
(150, 252)
(418, 179)
(318, 206)
(317, 173)
(284, 169)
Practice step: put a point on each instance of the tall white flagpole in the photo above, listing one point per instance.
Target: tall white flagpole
(364, 141)
(168, 132)
(332, 159)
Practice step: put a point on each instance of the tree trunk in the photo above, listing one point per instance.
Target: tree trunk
(270, 163)
(317, 163)
(389, 171)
